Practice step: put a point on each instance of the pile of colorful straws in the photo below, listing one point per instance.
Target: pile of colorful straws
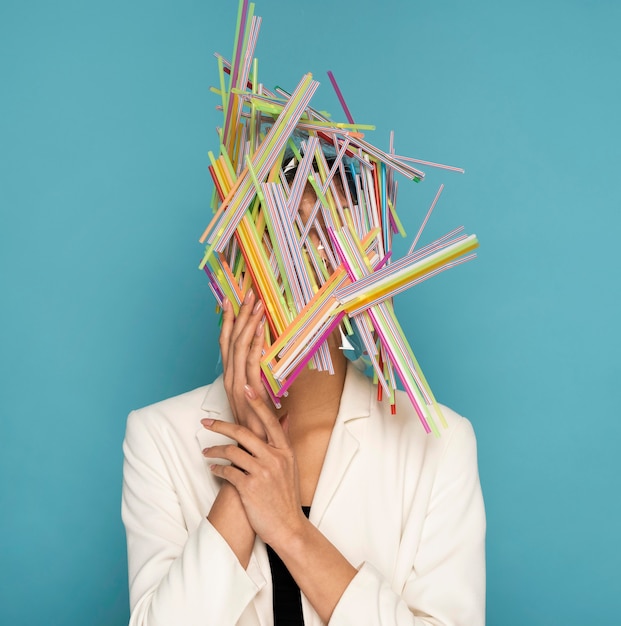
(273, 148)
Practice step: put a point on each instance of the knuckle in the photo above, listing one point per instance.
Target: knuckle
(236, 430)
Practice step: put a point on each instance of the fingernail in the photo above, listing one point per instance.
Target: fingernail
(250, 392)
(259, 331)
(225, 304)
(249, 296)
(257, 307)
(206, 451)
(207, 423)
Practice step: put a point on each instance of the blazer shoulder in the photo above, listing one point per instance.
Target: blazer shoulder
(458, 432)
(406, 411)
(407, 424)
(175, 412)
(453, 419)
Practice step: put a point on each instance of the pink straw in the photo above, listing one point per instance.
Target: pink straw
(339, 95)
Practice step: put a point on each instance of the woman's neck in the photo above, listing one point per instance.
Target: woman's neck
(312, 406)
(314, 397)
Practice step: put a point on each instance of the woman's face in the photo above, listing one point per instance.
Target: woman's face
(307, 204)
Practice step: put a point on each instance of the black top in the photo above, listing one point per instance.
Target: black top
(285, 592)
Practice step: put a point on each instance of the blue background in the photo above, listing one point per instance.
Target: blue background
(105, 122)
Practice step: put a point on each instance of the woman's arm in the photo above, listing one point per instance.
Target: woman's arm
(446, 584)
(176, 575)
(241, 342)
(265, 475)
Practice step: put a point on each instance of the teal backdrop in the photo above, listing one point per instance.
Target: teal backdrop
(105, 122)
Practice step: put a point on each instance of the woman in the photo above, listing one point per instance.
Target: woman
(331, 510)
(395, 533)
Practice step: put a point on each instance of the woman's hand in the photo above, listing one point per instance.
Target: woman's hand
(264, 473)
(241, 343)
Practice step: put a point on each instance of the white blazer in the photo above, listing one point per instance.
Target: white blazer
(405, 508)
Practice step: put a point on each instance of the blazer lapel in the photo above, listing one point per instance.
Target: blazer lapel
(216, 405)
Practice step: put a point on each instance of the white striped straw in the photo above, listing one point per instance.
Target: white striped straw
(390, 161)
(263, 159)
(422, 227)
(406, 286)
(402, 269)
(430, 164)
(362, 323)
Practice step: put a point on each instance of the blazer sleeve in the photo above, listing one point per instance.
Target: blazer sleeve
(446, 586)
(176, 576)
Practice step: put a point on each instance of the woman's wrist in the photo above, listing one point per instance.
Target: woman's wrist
(228, 517)
(321, 571)
(294, 537)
